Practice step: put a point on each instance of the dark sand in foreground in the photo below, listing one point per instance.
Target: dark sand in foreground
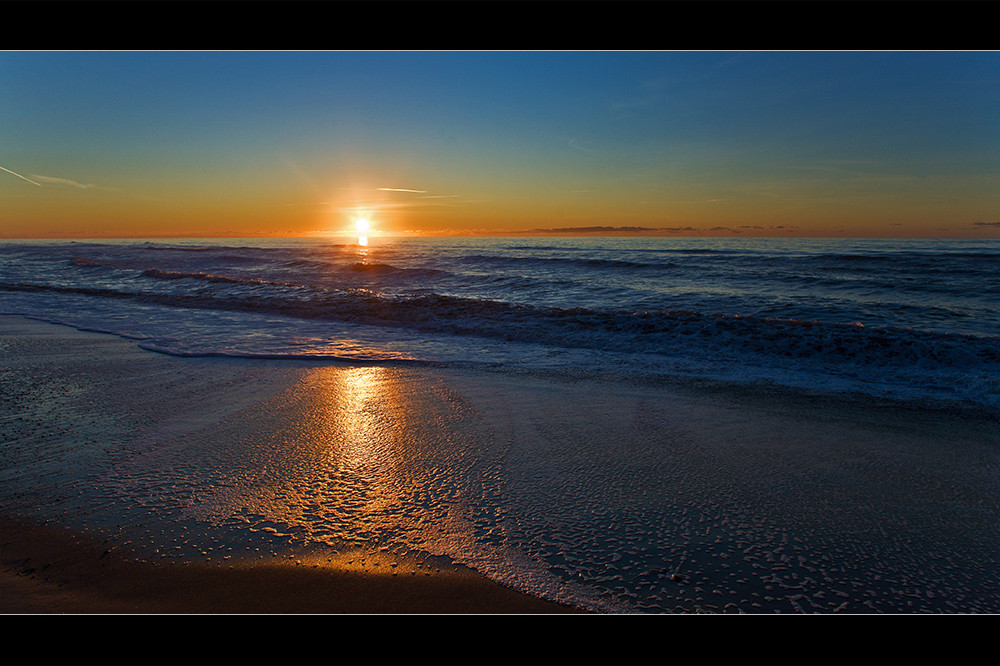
(51, 570)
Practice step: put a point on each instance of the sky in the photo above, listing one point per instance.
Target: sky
(753, 143)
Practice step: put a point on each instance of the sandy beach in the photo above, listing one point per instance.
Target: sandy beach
(136, 482)
(51, 563)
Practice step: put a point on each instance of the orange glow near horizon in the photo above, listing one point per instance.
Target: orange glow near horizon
(47, 212)
(645, 143)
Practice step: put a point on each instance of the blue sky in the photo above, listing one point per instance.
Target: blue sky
(247, 143)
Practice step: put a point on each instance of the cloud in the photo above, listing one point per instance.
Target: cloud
(52, 180)
(70, 183)
(574, 143)
(986, 224)
(423, 195)
(20, 176)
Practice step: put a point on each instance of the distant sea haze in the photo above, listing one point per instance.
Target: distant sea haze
(906, 319)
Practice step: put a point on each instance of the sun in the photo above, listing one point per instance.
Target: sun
(363, 225)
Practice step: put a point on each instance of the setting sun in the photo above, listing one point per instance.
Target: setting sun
(362, 225)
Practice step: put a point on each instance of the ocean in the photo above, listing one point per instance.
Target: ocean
(913, 319)
(584, 475)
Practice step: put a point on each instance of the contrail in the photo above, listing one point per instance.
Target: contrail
(21, 177)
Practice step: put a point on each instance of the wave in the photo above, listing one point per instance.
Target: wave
(782, 312)
(83, 262)
(590, 263)
(648, 332)
(369, 358)
(358, 267)
(644, 250)
(298, 265)
(159, 274)
(152, 247)
(377, 268)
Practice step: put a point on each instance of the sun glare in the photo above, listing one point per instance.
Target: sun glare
(363, 226)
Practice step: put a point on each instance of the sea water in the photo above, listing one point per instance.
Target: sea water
(904, 318)
(656, 518)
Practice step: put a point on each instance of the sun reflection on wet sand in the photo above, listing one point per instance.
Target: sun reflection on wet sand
(350, 457)
(339, 457)
(366, 423)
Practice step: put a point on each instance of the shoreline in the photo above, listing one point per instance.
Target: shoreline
(52, 569)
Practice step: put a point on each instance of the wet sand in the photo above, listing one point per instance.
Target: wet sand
(130, 478)
(70, 390)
